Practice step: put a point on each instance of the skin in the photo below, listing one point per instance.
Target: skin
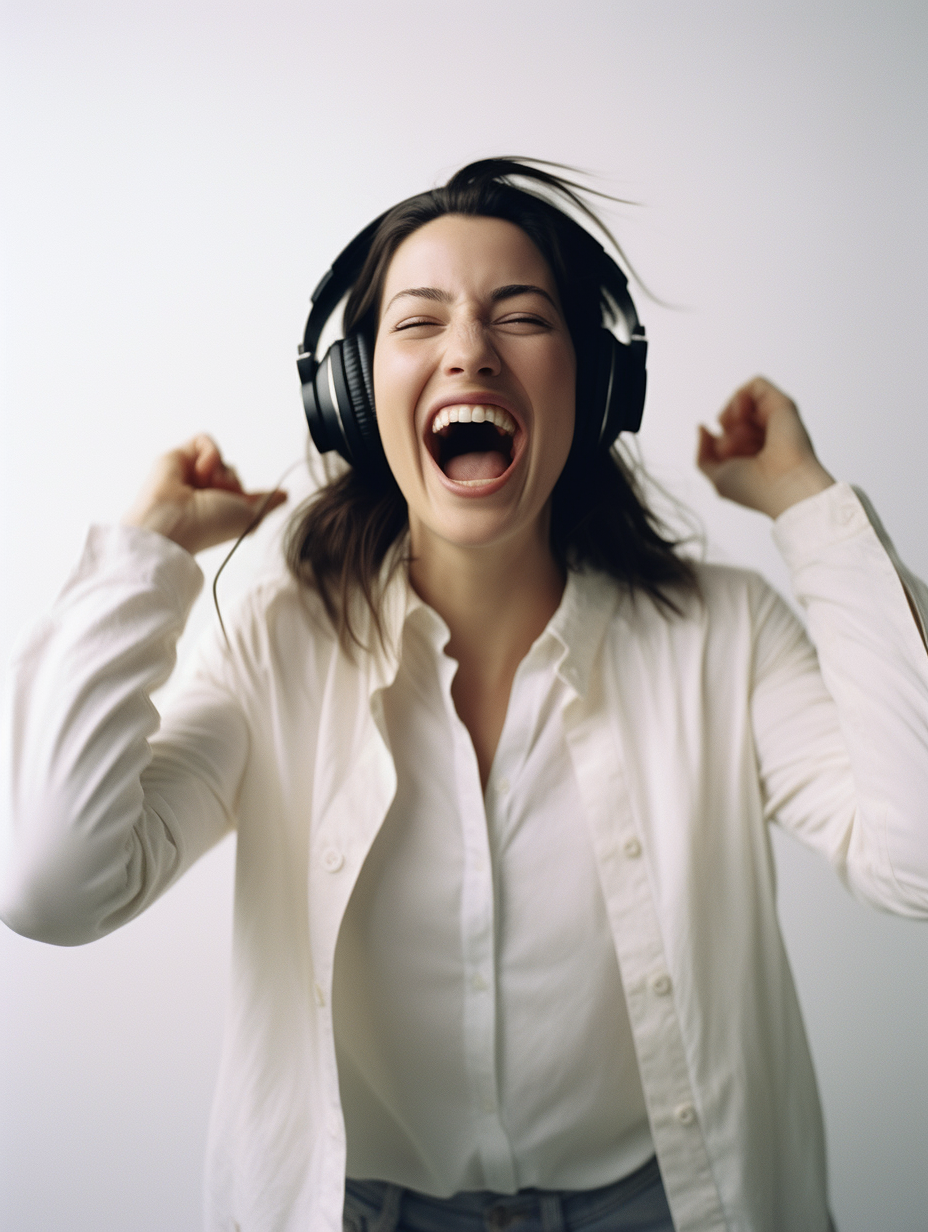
(482, 562)
(195, 499)
(516, 349)
(482, 559)
(762, 456)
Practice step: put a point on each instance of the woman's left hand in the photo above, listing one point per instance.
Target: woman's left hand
(762, 457)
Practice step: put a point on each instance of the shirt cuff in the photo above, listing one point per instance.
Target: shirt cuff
(839, 513)
(804, 530)
(145, 556)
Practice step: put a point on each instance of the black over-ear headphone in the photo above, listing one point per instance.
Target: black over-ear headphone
(338, 391)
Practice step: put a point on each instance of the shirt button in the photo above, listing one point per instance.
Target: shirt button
(332, 860)
(502, 786)
(632, 848)
(319, 993)
(685, 1114)
(478, 983)
(660, 984)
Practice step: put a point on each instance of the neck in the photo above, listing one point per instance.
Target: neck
(496, 599)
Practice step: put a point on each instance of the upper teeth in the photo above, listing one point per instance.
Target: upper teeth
(474, 414)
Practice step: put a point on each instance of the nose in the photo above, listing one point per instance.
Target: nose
(470, 351)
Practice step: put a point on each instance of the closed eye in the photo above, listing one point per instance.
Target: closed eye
(526, 320)
(515, 322)
(416, 323)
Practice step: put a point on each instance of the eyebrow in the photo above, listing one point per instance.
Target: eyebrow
(444, 297)
(520, 288)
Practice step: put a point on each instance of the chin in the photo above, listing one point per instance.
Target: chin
(478, 530)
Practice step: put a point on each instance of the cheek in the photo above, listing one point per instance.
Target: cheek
(563, 440)
(562, 381)
(395, 400)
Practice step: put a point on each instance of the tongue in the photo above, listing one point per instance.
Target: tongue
(489, 465)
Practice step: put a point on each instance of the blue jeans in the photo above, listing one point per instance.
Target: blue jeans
(636, 1203)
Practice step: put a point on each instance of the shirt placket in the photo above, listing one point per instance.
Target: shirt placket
(659, 1042)
(478, 956)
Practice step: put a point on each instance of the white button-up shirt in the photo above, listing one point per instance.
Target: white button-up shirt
(685, 736)
(480, 1024)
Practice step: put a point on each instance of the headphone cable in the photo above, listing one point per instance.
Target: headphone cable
(259, 515)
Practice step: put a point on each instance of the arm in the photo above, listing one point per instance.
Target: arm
(98, 823)
(841, 732)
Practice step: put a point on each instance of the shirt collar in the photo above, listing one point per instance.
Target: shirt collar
(577, 628)
(579, 625)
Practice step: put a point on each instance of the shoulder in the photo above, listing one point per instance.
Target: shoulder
(729, 607)
(281, 626)
(725, 587)
(742, 610)
(280, 604)
(277, 629)
(722, 593)
(728, 633)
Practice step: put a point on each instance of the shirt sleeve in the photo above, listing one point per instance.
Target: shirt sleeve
(103, 812)
(842, 728)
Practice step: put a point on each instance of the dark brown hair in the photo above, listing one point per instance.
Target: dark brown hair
(338, 540)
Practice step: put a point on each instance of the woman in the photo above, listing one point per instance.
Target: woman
(500, 765)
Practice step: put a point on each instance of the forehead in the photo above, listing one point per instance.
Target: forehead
(462, 254)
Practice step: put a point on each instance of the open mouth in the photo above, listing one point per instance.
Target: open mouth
(473, 444)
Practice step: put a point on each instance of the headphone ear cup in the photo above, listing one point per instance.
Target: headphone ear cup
(342, 415)
(595, 384)
(360, 382)
(620, 379)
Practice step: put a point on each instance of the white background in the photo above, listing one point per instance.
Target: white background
(175, 178)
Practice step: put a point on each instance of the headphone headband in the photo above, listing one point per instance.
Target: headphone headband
(339, 278)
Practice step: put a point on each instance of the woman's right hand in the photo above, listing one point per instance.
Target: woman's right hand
(193, 498)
